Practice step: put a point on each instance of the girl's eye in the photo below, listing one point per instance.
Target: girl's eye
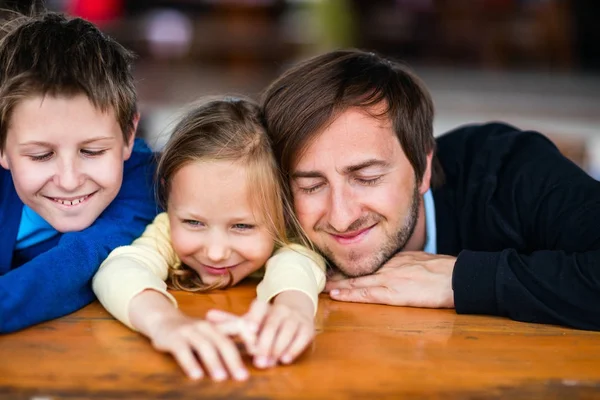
(41, 157)
(368, 182)
(93, 153)
(243, 227)
(193, 223)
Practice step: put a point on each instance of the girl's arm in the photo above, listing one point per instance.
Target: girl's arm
(293, 267)
(131, 286)
(130, 270)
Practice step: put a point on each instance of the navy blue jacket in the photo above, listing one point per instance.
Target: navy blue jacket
(53, 278)
(525, 224)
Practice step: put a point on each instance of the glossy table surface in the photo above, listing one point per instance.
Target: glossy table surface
(361, 352)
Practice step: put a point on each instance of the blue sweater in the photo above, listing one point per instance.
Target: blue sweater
(52, 278)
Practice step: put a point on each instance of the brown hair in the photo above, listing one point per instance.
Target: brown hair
(50, 54)
(305, 99)
(225, 129)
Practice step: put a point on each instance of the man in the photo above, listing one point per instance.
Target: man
(487, 219)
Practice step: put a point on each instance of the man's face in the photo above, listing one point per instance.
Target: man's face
(66, 159)
(355, 192)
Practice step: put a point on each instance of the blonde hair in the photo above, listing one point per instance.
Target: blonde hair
(227, 129)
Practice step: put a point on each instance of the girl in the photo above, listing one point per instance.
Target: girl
(219, 183)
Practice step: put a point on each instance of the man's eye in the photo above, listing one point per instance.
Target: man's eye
(41, 157)
(311, 189)
(369, 181)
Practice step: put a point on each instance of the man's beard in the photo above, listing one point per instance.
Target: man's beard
(393, 244)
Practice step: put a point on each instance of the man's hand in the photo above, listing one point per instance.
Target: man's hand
(412, 278)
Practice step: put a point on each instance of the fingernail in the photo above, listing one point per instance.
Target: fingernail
(286, 359)
(220, 375)
(334, 292)
(272, 362)
(196, 374)
(262, 362)
(241, 375)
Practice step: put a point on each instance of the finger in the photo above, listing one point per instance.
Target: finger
(375, 295)
(285, 336)
(208, 354)
(188, 362)
(229, 354)
(303, 338)
(230, 328)
(257, 313)
(217, 316)
(351, 283)
(266, 339)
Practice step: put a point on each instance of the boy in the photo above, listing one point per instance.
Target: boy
(75, 183)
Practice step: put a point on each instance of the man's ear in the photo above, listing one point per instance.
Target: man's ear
(4, 160)
(129, 145)
(426, 180)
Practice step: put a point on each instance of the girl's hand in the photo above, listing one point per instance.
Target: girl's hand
(284, 329)
(189, 339)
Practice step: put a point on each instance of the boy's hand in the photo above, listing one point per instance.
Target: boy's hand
(283, 329)
(189, 339)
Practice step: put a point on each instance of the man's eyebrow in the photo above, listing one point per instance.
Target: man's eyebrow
(307, 174)
(345, 171)
(365, 164)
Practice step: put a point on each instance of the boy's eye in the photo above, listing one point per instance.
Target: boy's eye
(92, 153)
(243, 227)
(41, 157)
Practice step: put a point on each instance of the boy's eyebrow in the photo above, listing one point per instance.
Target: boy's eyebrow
(46, 144)
(345, 171)
(98, 138)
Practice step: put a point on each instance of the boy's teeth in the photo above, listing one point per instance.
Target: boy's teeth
(71, 202)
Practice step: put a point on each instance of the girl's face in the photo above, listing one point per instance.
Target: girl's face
(213, 227)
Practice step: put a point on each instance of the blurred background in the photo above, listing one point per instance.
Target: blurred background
(532, 63)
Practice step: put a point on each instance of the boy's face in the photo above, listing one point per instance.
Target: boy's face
(66, 158)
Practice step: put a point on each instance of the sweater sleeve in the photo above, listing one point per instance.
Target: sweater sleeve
(129, 270)
(57, 282)
(293, 267)
(554, 209)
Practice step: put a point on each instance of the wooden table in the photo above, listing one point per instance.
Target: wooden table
(361, 352)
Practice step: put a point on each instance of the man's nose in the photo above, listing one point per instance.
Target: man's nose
(344, 208)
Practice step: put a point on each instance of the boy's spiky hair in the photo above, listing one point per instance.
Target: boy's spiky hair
(51, 54)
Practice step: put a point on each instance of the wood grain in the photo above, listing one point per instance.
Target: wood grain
(361, 352)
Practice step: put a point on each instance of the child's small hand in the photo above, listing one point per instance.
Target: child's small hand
(185, 337)
(245, 327)
(285, 333)
(283, 330)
